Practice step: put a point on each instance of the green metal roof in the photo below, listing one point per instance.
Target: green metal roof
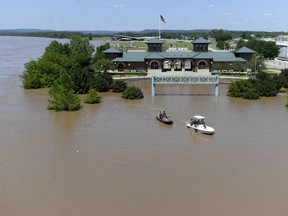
(244, 50)
(214, 56)
(225, 57)
(155, 41)
(240, 59)
(154, 56)
(202, 55)
(200, 41)
(132, 57)
(112, 50)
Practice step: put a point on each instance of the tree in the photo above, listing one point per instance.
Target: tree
(246, 35)
(244, 89)
(262, 85)
(56, 47)
(44, 71)
(221, 35)
(270, 50)
(267, 49)
(220, 45)
(282, 79)
(266, 84)
(83, 78)
(240, 43)
(103, 65)
(260, 65)
(81, 51)
(99, 52)
(31, 78)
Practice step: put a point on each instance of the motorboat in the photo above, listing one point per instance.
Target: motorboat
(164, 118)
(198, 124)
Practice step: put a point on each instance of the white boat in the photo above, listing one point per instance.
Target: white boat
(198, 124)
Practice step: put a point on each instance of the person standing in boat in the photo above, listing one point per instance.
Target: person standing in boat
(160, 115)
(164, 114)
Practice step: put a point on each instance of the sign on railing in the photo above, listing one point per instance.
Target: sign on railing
(214, 80)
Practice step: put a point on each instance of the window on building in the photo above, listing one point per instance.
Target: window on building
(167, 65)
(202, 65)
(154, 65)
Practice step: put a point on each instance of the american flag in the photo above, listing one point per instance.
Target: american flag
(162, 19)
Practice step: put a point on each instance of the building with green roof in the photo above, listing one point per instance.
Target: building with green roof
(200, 58)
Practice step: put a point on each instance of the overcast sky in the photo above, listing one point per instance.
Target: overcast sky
(134, 15)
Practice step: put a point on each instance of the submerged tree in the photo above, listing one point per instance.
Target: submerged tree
(244, 89)
(62, 97)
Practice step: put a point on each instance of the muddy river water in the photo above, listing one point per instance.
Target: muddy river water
(115, 159)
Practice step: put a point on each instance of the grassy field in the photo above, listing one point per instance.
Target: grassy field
(141, 45)
(272, 71)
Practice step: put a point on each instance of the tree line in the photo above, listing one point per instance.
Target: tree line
(218, 34)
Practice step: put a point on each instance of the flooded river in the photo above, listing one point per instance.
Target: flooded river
(115, 159)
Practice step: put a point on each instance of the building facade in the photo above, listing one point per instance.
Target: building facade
(282, 43)
(200, 58)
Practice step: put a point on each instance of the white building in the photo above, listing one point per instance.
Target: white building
(282, 43)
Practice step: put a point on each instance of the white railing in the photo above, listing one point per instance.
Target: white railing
(209, 80)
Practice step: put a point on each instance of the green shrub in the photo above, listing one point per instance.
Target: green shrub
(132, 93)
(283, 90)
(101, 85)
(92, 97)
(107, 76)
(243, 88)
(118, 86)
(63, 99)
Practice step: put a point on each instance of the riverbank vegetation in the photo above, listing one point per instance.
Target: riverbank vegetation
(68, 70)
(262, 85)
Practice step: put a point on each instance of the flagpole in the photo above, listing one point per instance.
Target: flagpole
(159, 17)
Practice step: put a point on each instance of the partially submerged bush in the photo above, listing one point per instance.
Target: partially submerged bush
(63, 99)
(132, 93)
(244, 89)
(92, 97)
(101, 84)
(119, 86)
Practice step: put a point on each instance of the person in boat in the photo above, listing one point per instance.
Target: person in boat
(160, 115)
(204, 124)
(194, 121)
(164, 114)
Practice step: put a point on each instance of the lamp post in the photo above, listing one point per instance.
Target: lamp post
(211, 69)
(255, 64)
(286, 57)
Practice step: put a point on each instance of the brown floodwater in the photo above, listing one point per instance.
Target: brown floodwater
(115, 159)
